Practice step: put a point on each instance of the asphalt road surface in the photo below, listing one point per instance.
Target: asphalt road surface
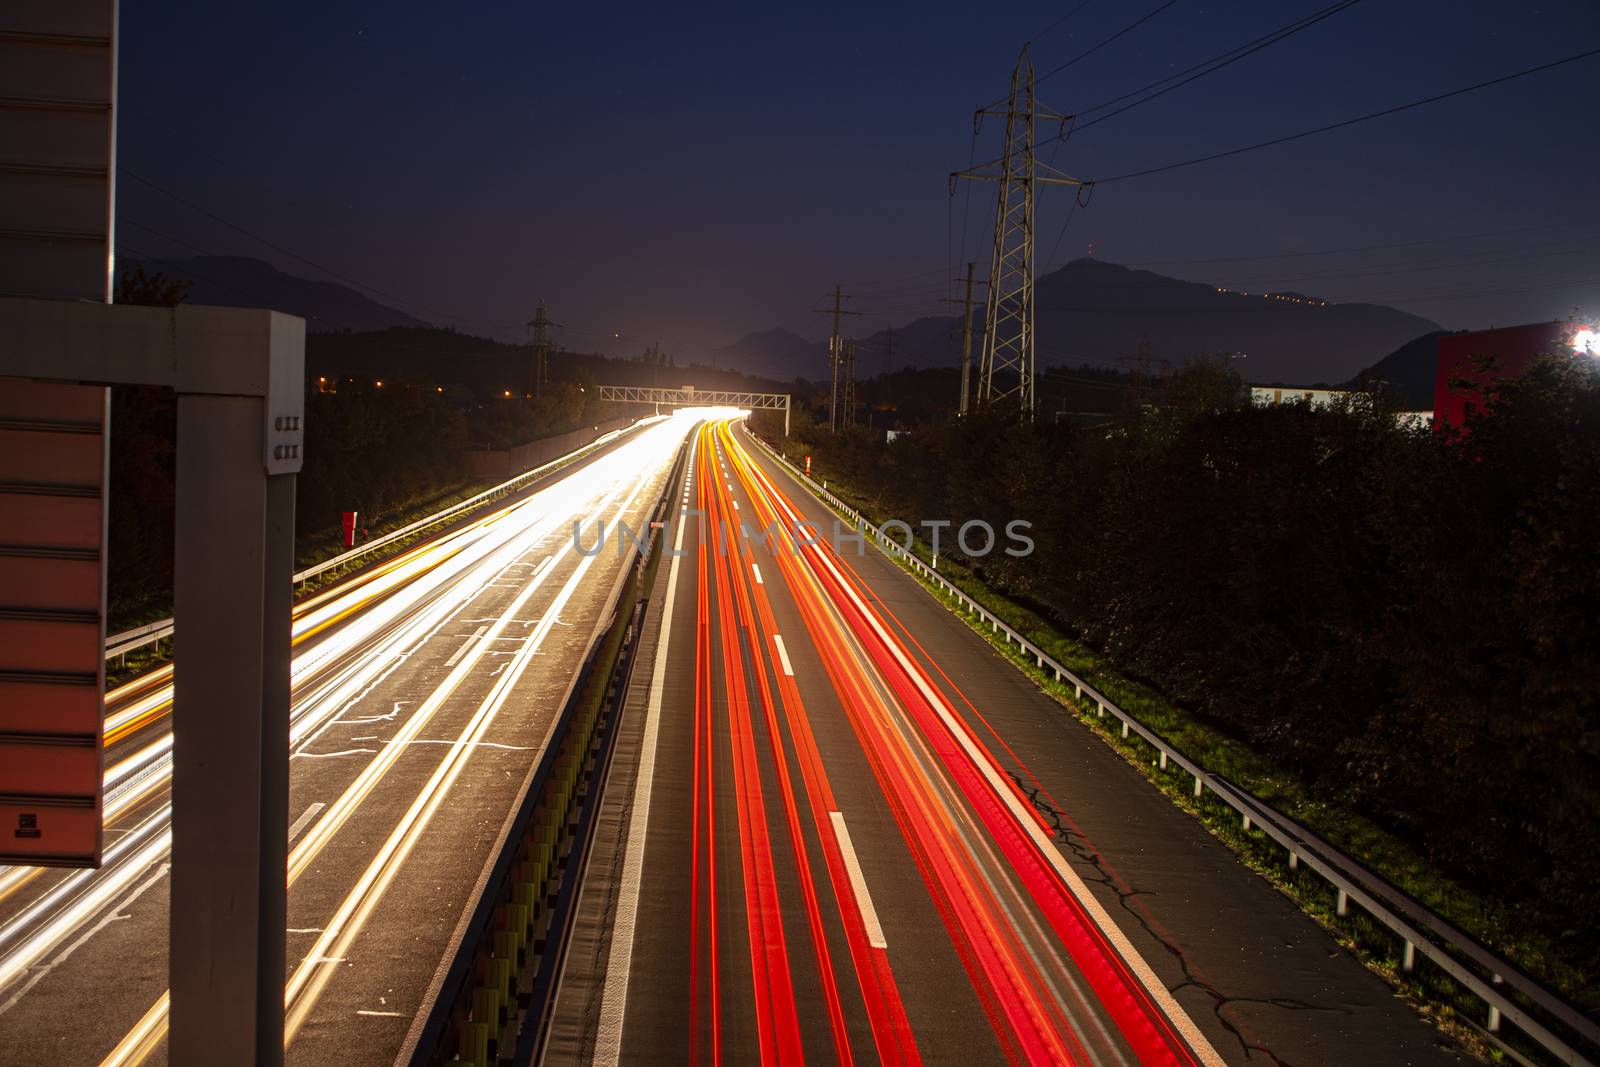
(845, 828)
(423, 691)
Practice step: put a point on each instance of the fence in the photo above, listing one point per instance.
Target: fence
(500, 463)
(1353, 883)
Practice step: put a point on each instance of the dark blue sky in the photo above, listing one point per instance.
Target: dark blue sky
(693, 176)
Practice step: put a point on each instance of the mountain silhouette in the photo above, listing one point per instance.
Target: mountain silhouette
(1093, 312)
(239, 281)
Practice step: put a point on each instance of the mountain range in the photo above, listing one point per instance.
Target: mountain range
(1093, 312)
(239, 281)
(1088, 312)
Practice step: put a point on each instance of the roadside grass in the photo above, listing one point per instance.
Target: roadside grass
(1431, 992)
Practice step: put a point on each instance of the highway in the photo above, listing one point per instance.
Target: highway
(423, 690)
(849, 830)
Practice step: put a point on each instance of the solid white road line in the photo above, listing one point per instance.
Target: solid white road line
(305, 818)
(451, 662)
(858, 884)
(783, 655)
(614, 995)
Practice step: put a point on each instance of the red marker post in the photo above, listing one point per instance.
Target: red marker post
(348, 521)
(808, 466)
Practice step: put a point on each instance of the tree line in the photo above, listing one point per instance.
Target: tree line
(1409, 619)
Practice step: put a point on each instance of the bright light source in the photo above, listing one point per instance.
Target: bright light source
(1587, 341)
(378, 383)
(508, 392)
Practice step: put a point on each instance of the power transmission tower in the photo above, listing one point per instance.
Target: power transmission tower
(1140, 381)
(850, 383)
(966, 343)
(835, 354)
(1005, 373)
(540, 327)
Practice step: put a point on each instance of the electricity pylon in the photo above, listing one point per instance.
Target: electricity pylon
(1005, 372)
(540, 326)
(835, 354)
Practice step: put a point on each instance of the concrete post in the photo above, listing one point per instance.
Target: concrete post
(233, 582)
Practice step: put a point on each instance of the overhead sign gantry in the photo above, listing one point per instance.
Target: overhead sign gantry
(689, 396)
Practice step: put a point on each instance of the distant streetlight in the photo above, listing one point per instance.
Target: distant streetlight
(378, 383)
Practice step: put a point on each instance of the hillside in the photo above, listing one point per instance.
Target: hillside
(1093, 312)
(238, 281)
(431, 355)
(777, 353)
(1407, 373)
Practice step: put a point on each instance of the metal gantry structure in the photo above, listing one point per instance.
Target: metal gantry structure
(1005, 371)
(689, 396)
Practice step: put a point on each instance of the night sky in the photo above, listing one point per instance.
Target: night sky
(695, 176)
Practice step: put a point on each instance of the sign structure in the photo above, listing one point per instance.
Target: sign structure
(53, 451)
(690, 396)
(57, 184)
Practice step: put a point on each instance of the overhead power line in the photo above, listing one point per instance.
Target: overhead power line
(1129, 28)
(1051, 28)
(1212, 65)
(1504, 78)
(1135, 24)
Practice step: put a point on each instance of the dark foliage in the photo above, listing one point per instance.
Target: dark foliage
(1411, 620)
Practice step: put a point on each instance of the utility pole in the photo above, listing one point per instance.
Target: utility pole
(966, 343)
(1005, 373)
(850, 383)
(835, 354)
(539, 327)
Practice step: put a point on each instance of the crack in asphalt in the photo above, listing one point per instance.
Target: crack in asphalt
(1075, 843)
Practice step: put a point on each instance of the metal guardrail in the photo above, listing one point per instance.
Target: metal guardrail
(1353, 882)
(118, 645)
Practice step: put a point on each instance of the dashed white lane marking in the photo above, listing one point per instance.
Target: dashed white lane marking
(453, 660)
(756, 567)
(384, 1014)
(858, 884)
(783, 655)
(304, 820)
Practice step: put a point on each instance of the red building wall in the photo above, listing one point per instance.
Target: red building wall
(1514, 349)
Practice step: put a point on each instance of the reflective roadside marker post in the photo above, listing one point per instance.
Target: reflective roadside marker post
(238, 375)
(347, 522)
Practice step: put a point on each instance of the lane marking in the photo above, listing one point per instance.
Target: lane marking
(614, 994)
(384, 1014)
(783, 654)
(462, 651)
(756, 567)
(858, 884)
(1166, 1004)
(304, 819)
